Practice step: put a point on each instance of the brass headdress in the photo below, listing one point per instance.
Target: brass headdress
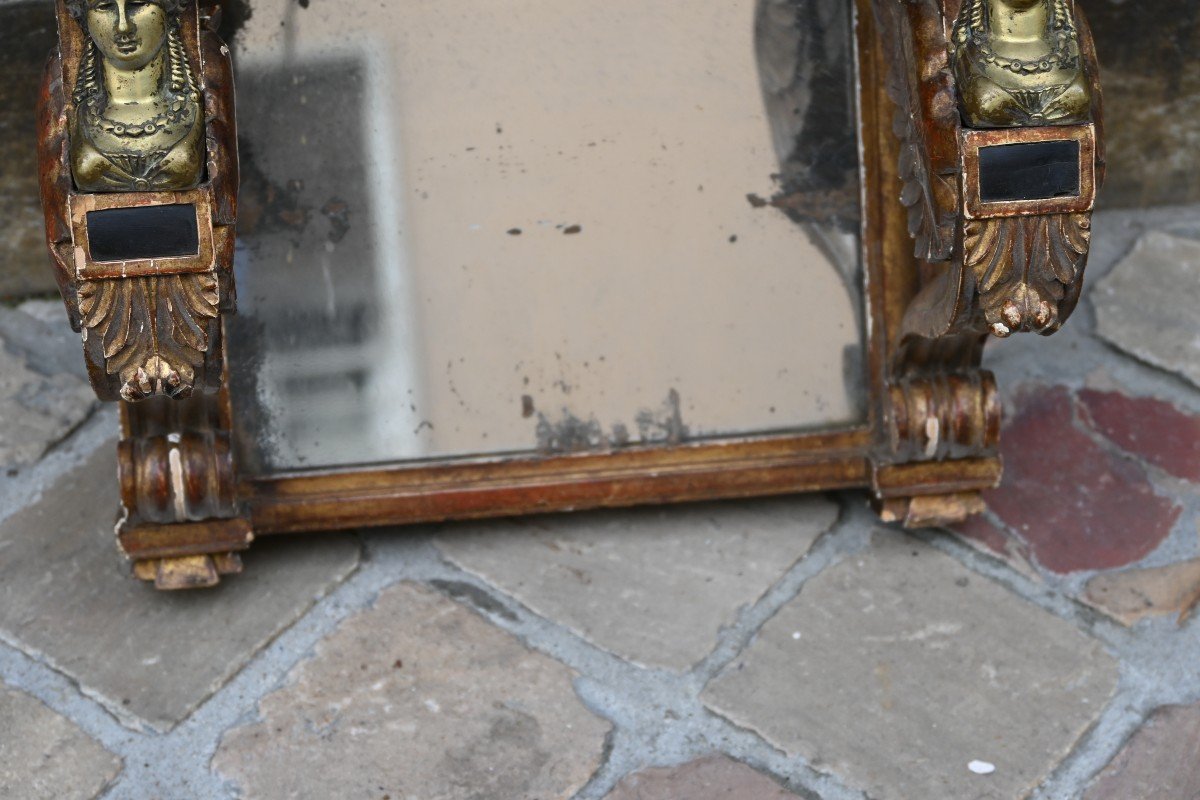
(972, 23)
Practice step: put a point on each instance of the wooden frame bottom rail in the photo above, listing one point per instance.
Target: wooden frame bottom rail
(365, 497)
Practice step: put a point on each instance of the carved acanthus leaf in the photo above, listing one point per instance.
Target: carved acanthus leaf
(155, 331)
(1023, 265)
(931, 227)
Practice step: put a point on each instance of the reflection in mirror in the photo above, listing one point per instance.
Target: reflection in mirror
(472, 229)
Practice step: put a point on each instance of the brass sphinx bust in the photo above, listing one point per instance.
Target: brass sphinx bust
(138, 123)
(1017, 64)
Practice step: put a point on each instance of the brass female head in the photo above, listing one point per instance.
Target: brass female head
(138, 116)
(128, 33)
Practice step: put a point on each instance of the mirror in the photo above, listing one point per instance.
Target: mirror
(553, 226)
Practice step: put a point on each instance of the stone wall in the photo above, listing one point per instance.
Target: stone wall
(1151, 76)
(26, 36)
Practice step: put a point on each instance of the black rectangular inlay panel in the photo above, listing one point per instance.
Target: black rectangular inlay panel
(1029, 171)
(142, 232)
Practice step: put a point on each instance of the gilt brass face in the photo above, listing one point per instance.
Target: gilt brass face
(129, 34)
(1018, 64)
(138, 122)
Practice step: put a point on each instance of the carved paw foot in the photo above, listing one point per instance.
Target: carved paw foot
(156, 377)
(1026, 311)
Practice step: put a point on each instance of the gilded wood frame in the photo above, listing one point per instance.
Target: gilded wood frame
(927, 447)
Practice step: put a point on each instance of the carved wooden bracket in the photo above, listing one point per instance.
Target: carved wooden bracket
(150, 320)
(989, 263)
(140, 215)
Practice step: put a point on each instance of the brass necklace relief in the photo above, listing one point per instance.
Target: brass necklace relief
(1017, 63)
(138, 123)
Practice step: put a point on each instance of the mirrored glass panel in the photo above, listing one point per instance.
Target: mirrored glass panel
(543, 226)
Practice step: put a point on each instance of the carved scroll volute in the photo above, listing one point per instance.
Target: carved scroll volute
(161, 160)
(181, 525)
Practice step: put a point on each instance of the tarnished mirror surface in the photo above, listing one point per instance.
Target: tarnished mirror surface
(550, 225)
